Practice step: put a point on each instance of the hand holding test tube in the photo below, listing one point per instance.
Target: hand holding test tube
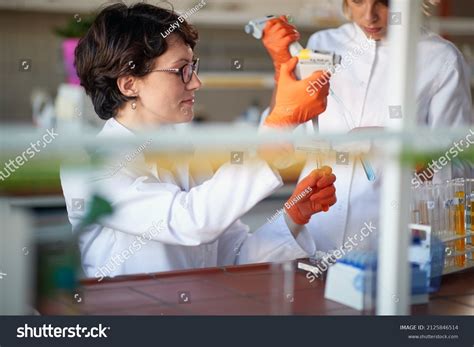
(313, 194)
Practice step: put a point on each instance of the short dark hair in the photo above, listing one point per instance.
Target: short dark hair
(122, 41)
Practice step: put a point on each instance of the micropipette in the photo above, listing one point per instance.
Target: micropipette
(308, 62)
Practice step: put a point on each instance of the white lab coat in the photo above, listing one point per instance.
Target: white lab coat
(443, 97)
(187, 222)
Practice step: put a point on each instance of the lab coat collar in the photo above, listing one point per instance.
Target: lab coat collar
(383, 42)
(180, 172)
(114, 128)
(359, 35)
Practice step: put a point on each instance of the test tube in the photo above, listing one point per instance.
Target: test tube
(441, 189)
(422, 204)
(460, 227)
(452, 221)
(469, 194)
(438, 230)
(368, 169)
(315, 157)
(469, 211)
(445, 220)
(450, 193)
(415, 213)
(432, 216)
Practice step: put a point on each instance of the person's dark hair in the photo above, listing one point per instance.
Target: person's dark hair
(124, 41)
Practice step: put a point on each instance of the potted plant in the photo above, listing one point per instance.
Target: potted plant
(71, 33)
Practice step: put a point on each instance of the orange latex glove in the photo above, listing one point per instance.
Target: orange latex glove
(278, 34)
(315, 193)
(294, 102)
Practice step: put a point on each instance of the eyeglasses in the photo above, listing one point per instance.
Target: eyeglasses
(186, 71)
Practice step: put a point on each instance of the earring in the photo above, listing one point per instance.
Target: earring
(134, 105)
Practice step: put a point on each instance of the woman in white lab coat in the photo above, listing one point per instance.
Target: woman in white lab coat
(360, 85)
(137, 66)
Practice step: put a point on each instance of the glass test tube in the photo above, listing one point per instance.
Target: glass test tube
(469, 194)
(415, 213)
(437, 223)
(422, 205)
(368, 169)
(446, 221)
(439, 191)
(460, 227)
(432, 216)
(469, 211)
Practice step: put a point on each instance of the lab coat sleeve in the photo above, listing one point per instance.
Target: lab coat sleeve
(272, 242)
(451, 106)
(451, 102)
(187, 218)
(313, 42)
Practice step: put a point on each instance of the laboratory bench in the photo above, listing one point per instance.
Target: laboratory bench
(256, 289)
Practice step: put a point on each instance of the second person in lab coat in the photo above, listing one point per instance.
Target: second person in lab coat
(141, 74)
(360, 85)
